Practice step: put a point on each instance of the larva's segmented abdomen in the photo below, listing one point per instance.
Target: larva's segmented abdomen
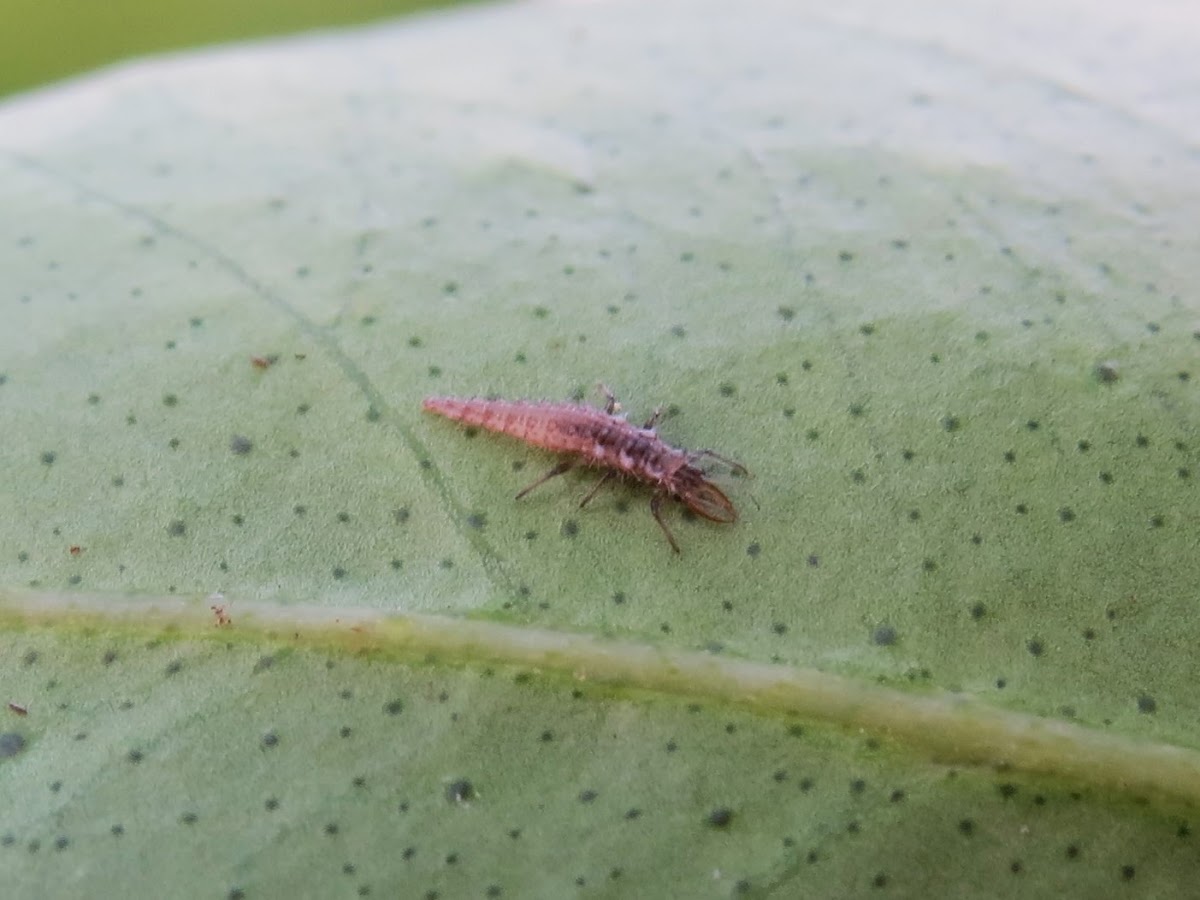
(560, 427)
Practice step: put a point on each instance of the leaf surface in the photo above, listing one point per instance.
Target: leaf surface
(927, 274)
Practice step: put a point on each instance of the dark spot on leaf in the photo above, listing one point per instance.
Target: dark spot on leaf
(270, 739)
(966, 827)
(587, 796)
(331, 828)
(477, 520)
(48, 458)
(1127, 873)
(720, 817)
(779, 628)
(11, 743)
(896, 796)
(1147, 704)
(188, 818)
(570, 528)
(884, 636)
(786, 313)
(1035, 647)
(240, 445)
(177, 528)
(1107, 372)
(1066, 514)
(460, 791)
(753, 549)
(135, 756)
(393, 707)
(951, 423)
(170, 400)
(174, 667)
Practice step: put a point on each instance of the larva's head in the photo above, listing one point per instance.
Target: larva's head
(701, 496)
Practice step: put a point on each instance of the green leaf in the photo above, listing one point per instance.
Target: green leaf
(269, 629)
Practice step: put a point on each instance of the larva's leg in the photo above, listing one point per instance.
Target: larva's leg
(565, 466)
(654, 417)
(596, 488)
(656, 508)
(735, 466)
(610, 399)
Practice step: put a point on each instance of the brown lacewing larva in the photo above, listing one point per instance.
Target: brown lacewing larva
(601, 439)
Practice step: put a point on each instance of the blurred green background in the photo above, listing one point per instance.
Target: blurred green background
(44, 40)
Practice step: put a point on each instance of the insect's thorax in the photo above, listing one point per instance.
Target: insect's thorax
(640, 452)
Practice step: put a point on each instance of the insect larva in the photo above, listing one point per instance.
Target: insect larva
(601, 439)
